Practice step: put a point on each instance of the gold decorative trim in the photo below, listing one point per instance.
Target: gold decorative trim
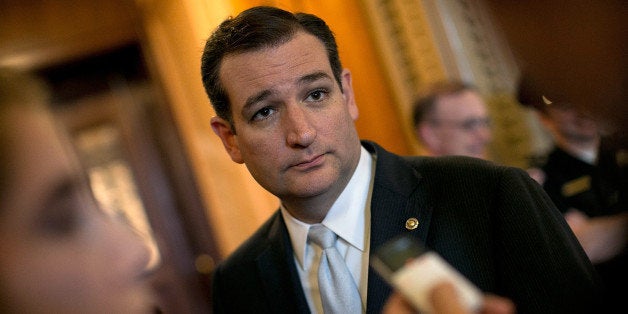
(430, 40)
(407, 49)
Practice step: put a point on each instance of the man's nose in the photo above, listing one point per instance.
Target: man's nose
(485, 132)
(482, 128)
(300, 131)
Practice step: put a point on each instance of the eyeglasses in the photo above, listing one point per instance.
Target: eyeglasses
(465, 125)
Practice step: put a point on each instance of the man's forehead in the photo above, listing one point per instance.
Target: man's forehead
(303, 55)
(466, 102)
(301, 45)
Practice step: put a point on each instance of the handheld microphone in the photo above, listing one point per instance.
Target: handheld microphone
(406, 264)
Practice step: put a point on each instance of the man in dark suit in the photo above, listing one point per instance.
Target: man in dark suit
(285, 108)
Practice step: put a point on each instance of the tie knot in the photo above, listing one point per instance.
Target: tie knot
(322, 236)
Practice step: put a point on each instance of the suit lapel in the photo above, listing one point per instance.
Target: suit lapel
(397, 196)
(281, 283)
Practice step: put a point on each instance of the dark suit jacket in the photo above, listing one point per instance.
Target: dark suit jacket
(494, 224)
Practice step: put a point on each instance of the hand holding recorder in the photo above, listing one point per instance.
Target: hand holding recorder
(426, 282)
(444, 300)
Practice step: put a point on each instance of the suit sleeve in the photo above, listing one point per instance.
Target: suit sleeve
(541, 265)
(217, 299)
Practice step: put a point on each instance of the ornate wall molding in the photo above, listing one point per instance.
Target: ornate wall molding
(422, 41)
(407, 49)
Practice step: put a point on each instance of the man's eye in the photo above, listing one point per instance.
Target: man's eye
(61, 221)
(317, 95)
(262, 114)
(61, 216)
(474, 124)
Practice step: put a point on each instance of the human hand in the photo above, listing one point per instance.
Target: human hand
(537, 174)
(602, 238)
(445, 301)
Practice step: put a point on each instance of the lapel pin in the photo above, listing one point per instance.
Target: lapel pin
(412, 223)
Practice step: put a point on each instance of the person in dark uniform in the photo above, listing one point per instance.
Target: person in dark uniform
(585, 174)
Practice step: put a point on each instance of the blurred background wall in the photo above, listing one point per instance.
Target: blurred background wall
(576, 48)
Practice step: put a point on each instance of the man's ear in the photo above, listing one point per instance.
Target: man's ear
(428, 137)
(347, 94)
(223, 129)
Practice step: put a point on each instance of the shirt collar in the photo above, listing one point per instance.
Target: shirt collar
(346, 216)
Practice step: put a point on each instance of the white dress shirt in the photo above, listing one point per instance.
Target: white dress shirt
(349, 217)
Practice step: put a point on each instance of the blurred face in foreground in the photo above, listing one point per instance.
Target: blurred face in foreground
(294, 126)
(60, 252)
(459, 125)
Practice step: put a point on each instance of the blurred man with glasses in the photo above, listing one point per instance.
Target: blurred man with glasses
(451, 118)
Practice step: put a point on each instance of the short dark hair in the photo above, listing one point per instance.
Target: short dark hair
(529, 94)
(425, 101)
(253, 29)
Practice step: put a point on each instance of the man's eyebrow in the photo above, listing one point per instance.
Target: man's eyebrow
(313, 77)
(256, 98)
(303, 80)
